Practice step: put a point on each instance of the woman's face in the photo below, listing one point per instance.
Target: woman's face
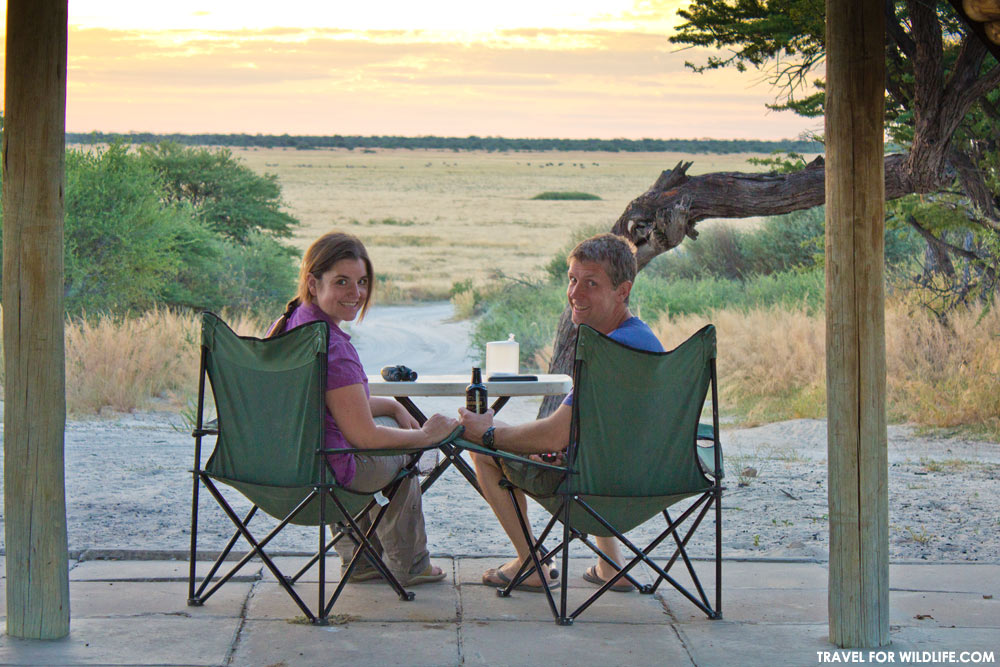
(342, 291)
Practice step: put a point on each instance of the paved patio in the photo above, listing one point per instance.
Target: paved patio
(134, 612)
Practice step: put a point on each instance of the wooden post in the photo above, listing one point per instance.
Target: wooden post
(34, 359)
(855, 324)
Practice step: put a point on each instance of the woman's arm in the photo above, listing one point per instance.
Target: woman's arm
(388, 407)
(352, 411)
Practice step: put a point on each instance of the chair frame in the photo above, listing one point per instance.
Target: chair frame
(702, 503)
(323, 491)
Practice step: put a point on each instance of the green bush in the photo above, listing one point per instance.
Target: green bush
(781, 243)
(566, 196)
(530, 312)
(120, 242)
(133, 243)
(225, 194)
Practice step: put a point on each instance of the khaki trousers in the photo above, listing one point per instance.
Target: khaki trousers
(400, 537)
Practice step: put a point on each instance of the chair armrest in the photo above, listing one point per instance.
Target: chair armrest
(479, 449)
(210, 427)
(451, 438)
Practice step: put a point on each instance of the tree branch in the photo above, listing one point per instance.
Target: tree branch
(667, 213)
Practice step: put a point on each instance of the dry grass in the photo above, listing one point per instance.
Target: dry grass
(771, 361)
(124, 364)
(772, 365)
(944, 375)
(433, 218)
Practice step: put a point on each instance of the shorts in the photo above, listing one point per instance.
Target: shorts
(533, 480)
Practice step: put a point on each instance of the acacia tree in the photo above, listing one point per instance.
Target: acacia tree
(941, 106)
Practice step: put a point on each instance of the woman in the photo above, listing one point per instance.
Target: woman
(335, 285)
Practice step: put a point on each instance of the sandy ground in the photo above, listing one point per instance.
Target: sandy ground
(128, 483)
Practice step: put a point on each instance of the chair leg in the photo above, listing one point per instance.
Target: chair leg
(642, 588)
(259, 550)
(200, 594)
(642, 555)
(193, 600)
(363, 541)
(534, 557)
(564, 593)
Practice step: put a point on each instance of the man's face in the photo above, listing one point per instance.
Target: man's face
(594, 300)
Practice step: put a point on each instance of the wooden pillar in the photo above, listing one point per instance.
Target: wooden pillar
(34, 356)
(855, 324)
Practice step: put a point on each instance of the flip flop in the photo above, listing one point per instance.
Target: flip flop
(426, 577)
(621, 586)
(496, 578)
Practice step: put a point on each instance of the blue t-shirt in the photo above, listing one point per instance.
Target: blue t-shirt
(634, 333)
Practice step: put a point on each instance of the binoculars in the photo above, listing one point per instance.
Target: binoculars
(398, 373)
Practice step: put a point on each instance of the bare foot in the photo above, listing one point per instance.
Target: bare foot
(510, 569)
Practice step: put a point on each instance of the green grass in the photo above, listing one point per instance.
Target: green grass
(564, 196)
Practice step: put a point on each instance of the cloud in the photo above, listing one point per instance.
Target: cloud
(517, 82)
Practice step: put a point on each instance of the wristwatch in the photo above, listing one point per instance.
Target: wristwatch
(488, 442)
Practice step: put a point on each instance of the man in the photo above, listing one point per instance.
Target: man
(601, 273)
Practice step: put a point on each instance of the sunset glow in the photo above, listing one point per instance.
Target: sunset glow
(596, 68)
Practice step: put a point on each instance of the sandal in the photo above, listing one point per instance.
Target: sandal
(621, 586)
(363, 574)
(496, 578)
(426, 577)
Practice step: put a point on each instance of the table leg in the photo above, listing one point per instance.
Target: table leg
(451, 456)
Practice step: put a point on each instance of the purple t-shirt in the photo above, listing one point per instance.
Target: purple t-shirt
(343, 368)
(634, 333)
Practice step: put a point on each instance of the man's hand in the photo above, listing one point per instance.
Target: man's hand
(475, 424)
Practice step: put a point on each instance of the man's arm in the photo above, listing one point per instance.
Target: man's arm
(541, 436)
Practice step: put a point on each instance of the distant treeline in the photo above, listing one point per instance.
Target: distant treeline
(471, 143)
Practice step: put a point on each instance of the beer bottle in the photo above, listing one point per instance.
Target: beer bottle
(475, 393)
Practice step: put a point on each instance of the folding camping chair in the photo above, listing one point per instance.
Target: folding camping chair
(636, 448)
(270, 400)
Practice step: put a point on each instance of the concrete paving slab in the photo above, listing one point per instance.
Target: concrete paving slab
(153, 570)
(481, 603)
(945, 639)
(749, 574)
(470, 570)
(580, 644)
(357, 644)
(963, 578)
(131, 598)
(290, 565)
(737, 643)
(964, 610)
(752, 605)
(151, 640)
(368, 601)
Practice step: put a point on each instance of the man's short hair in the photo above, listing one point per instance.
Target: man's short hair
(615, 253)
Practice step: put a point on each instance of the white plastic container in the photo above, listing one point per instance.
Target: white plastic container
(502, 357)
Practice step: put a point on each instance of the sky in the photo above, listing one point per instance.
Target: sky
(517, 68)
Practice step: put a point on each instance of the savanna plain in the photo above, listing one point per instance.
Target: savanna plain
(465, 226)
(434, 218)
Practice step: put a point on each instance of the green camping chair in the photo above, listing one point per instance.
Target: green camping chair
(636, 448)
(270, 400)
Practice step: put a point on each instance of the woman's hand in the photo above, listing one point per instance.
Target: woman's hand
(404, 418)
(438, 427)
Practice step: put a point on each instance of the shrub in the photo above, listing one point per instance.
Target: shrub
(120, 242)
(565, 196)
